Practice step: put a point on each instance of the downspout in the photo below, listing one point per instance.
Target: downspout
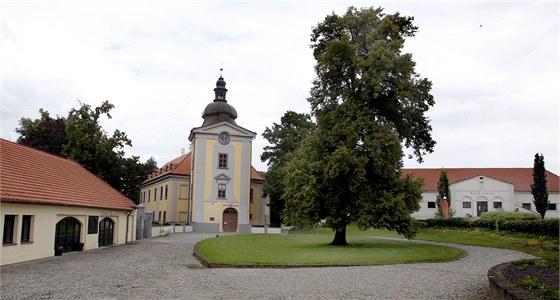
(191, 179)
(126, 236)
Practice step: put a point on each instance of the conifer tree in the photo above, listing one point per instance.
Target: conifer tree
(538, 188)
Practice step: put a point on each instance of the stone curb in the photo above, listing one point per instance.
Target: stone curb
(208, 264)
(502, 288)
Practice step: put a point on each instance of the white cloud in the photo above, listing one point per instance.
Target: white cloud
(495, 85)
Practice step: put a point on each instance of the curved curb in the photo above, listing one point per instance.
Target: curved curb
(502, 288)
(208, 264)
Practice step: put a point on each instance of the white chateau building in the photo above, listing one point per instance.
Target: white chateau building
(478, 190)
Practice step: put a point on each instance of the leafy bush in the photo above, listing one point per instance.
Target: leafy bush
(509, 216)
(549, 227)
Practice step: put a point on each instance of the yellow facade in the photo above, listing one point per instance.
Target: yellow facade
(43, 226)
(167, 200)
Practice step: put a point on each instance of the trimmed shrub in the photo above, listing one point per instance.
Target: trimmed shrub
(509, 216)
(451, 222)
(549, 227)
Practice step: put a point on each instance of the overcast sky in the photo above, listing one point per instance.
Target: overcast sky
(494, 68)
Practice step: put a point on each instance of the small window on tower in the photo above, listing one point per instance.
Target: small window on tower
(221, 191)
(222, 160)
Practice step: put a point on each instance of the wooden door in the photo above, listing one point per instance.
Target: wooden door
(229, 220)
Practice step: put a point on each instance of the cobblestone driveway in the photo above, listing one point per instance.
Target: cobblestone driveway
(163, 268)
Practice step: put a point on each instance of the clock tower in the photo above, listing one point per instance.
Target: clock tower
(220, 181)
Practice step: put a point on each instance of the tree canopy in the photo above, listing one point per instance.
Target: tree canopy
(284, 138)
(538, 188)
(81, 138)
(45, 134)
(369, 103)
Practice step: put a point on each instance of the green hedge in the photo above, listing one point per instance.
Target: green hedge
(549, 227)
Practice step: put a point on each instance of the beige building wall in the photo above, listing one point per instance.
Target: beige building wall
(43, 227)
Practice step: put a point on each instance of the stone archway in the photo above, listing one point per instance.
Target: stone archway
(229, 220)
(67, 235)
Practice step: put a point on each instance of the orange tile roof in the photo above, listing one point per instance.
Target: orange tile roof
(28, 175)
(521, 178)
(182, 166)
(179, 166)
(256, 175)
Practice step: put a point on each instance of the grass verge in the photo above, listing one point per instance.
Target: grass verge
(313, 249)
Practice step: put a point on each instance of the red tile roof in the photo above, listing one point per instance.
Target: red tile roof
(256, 175)
(521, 178)
(28, 175)
(182, 166)
(179, 166)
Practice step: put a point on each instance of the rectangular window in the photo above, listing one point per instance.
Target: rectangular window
(431, 204)
(164, 216)
(9, 227)
(92, 224)
(222, 160)
(498, 205)
(26, 225)
(166, 191)
(251, 200)
(159, 216)
(551, 206)
(526, 206)
(466, 204)
(221, 190)
(155, 193)
(149, 196)
(160, 192)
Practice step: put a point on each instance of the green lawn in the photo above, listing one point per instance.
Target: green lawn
(313, 248)
(531, 244)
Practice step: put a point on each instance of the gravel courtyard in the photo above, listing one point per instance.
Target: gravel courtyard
(164, 268)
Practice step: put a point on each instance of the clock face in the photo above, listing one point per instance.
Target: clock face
(223, 138)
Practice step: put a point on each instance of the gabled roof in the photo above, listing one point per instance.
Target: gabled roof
(521, 178)
(28, 175)
(182, 166)
(179, 166)
(256, 175)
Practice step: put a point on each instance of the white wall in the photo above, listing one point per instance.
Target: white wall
(43, 229)
(487, 190)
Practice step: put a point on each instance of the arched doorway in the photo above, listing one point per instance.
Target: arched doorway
(229, 220)
(67, 234)
(106, 229)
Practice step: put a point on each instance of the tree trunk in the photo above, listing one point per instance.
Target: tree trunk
(339, 237)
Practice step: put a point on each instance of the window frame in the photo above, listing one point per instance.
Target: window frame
(93, 224)
(27, 222)
(222, 188)
(222, 160)
(432, 204)
(525, 205)
(467, 204)
(496, 204)
(10, 230)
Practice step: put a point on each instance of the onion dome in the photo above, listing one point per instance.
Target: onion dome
(219, 110)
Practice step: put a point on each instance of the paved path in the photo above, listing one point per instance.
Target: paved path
(163, 268)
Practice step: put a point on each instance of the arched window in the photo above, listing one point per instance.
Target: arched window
(106, 230)
(67, 235)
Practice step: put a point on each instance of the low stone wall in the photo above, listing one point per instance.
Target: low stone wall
(165, 230)
(502, 288)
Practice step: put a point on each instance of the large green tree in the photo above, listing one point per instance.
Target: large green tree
(80, 137)
(538, 188)
(284, 139)
(369, 103)
(89, 145)
(46, 134)
(443, 192)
